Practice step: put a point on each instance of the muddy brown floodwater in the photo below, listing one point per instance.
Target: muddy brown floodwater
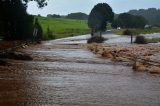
(69, 75)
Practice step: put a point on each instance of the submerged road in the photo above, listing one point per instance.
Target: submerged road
(66, 74)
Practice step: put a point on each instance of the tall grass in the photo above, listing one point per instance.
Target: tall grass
(62, 27)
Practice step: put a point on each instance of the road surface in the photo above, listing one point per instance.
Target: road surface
(64, 73)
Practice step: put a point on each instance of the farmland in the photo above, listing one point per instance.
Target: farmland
(61, 27)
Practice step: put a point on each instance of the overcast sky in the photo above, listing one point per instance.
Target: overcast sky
(64, 7)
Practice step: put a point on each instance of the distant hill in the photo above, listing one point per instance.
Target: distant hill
(78, 15)
(151, 14)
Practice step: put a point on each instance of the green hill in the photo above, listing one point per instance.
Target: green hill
(61, 27)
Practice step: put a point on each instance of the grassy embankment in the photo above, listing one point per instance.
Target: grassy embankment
(61, 27)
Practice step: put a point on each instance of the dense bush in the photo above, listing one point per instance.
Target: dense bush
(140, 40)
(126, 20)
(127, 32)
(15, 23)
(24, 28)
(96, 39)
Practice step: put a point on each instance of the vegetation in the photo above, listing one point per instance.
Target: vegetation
(152, 15)
(53, 16)
(99, 16)
(50, 34)
(127, 32)
(62, 27)
(126, 20)
(15, 23)
(78, 15)
(96, 39)
(41, 3)
(140, 40)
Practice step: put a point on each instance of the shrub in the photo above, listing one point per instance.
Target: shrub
(127, 32)
(96, 39)
(50, 33)
(140, 40)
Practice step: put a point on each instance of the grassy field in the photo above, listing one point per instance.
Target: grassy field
(61, 27)
(139, 31)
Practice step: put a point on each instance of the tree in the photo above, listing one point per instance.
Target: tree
(15, 23)
(151, 15)
(126, 20)
(41, 3)
(13, 15)
(139, 21)
(115, 24)
(99, 16)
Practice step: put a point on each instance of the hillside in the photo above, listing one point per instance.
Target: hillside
(61, 27)
(151, 14)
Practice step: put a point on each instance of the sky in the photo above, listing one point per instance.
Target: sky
(64, 7)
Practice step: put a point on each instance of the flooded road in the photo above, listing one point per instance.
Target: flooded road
(66, 74)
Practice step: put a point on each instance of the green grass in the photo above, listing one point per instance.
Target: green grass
(109, 26)
(139, 31)
(61, 27)
(118, 31)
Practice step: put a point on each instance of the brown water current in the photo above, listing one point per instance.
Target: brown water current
(70, 75)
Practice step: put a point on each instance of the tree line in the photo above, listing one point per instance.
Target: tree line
(137, 18)
(99, 17)
(126, 20)
(152, 15)
(77, 15)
